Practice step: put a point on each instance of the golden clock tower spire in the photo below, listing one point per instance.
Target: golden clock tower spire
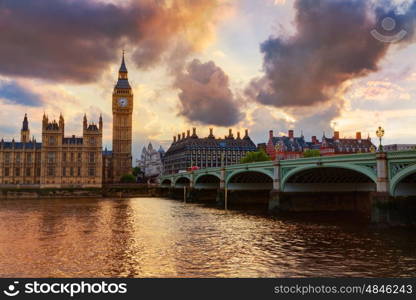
(122, 124)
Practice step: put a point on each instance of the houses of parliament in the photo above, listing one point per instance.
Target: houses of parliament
(61, 161)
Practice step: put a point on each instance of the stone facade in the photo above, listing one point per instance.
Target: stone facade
(191, 151)
(150, 162)
(57, 162)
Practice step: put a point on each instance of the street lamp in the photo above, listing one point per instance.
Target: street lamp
(380, 134)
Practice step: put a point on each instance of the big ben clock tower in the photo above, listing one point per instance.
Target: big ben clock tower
(122, 124)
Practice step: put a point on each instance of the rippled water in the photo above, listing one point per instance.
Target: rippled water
(152, 237)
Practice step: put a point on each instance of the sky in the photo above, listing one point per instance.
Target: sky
(314, 66)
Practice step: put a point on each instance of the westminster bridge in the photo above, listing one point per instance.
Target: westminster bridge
(368, 182)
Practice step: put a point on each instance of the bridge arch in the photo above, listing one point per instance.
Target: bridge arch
(404, 183)
(166, 183)
(250, 180)
(329, 178)
(207, 181)
(182, 181)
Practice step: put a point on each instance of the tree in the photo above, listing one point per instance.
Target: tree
(128, 178)
(256, 156)
(311, 153)
(136, 171)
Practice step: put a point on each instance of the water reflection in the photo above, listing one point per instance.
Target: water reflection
(151, 237)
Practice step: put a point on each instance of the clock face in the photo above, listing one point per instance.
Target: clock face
(123, 102)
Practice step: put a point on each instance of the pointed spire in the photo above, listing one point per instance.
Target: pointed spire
(123, 68)
(25, 125)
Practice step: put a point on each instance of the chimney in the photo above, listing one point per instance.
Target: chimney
(194, 133)
(183, 135)
(291, 134)
(246, 134)
(271, 134)
(188, 133)
(358, 135)
(211, 133)
(179, 137)
(336, 135)
(238, 135)
(174, 138)
(230, 133)
(314, 140)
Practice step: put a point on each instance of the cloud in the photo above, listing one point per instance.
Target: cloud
(333, 45)
(205, 96)
(76, 40)
(16, 93)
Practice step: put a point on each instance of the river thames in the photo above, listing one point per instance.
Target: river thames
(154, 237)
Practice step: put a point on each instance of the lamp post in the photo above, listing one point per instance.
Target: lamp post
(380, 133)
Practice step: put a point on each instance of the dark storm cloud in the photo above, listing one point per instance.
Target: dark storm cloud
(75, 40)
(333, 44)
(15, 93)
(205, 95)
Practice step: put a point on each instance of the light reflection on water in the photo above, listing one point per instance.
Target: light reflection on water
(152, 237)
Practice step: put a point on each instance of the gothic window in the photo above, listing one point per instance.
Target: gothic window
(6, 172)
(28, 172)
(64, 171)
(7, 157)
(79, 172)
(38, 172)
(51, 157)
(79, 157)
(52, 140)
(18, 157)
(91, 157)
(91, 172)
(29, 158)
(92, 140)
(17, 172)
(71, 172)
(64, 156)
(51, 171)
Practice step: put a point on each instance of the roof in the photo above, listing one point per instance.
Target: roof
(296, 144)
(345, 145)
(211, 144)
(92, 127)
(72, 141)
(52, 126)
(19, 145)
(123, 84)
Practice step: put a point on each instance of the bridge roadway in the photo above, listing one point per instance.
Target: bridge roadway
(367, 182)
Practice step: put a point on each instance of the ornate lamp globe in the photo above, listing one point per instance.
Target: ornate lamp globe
(380, 133)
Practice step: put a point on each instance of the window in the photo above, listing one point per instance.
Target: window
(91, 172)
(18, 157)
(51, 157)
(28, 172)
(71, 172)
(52, 140)
(29, 158)
(64, 156)
(17, 172)
(7, 157)
(64, 171)
(92, 140)
(72, 156)
(79, 157)
(6, 172)
(91, 157)
(51, 171)
(79, 171)
(38, 172)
